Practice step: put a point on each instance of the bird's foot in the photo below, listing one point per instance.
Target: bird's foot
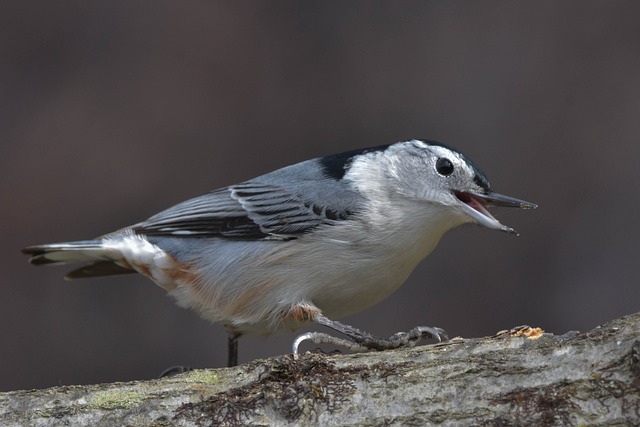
(359, 341)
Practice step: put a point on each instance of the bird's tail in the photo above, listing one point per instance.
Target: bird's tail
(102, 260)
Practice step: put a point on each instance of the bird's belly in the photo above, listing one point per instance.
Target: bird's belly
(252, 287)
(357, 289)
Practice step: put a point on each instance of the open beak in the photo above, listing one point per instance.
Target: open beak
(475, 205)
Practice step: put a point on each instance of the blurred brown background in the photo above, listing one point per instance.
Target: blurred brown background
(112, 111)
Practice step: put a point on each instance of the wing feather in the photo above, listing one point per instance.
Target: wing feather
(282, 204)
(245, 211)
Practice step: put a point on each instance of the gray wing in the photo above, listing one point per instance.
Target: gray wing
(251, 210)
(214, 214)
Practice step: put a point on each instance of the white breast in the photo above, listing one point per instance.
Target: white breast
(372, 268)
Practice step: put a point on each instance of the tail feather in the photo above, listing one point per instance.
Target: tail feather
(101, 260)
(66, 252)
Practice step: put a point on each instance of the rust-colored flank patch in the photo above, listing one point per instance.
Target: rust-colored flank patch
(302, 313)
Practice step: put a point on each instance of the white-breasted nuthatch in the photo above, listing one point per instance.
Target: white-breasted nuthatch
(310, 242)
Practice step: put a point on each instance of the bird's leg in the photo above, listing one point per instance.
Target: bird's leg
(232, 349)
(358, 340)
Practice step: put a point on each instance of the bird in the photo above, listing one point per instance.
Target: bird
(308, 243)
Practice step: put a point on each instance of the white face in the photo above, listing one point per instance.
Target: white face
(434, 173)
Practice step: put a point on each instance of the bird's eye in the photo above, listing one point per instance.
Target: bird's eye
(444, 166)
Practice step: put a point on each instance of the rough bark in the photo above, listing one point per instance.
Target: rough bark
(588, 378)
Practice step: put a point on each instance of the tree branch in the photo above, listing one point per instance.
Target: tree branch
(509, 379)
